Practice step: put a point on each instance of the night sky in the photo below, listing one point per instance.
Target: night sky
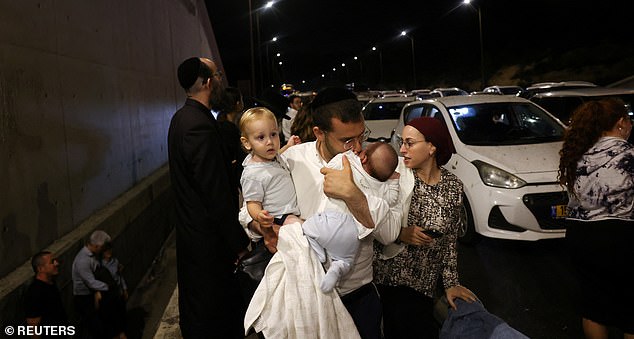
(315, 36)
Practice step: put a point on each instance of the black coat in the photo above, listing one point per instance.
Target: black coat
(208, 234)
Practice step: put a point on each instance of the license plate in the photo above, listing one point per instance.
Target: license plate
(558, 211)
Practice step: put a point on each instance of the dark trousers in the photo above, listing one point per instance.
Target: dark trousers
(407, 313)
(364, 306)
(89, 325)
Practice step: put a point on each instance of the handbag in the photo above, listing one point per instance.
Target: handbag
(251, 267)
(254, 263)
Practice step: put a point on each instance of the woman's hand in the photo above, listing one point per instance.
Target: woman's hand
(459, 292)
(414, 235)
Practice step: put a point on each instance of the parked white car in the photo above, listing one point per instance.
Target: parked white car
(507, 157)
(381, 115)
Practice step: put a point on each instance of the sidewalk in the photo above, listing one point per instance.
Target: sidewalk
(153, 308)
(168, 328)
(154, 295)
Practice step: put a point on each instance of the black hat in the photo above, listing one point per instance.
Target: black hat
(330, 95)
(190, 70)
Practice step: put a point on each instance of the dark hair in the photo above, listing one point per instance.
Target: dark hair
(302, 125)
(38, 260)
(587, 124)
(106, 246)
(230, 96)
(292, 97)
(335, 102)
(348, 110)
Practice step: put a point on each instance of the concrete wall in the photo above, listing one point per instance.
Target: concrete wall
(87, 90)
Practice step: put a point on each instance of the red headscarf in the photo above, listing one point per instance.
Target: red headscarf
(435, 132)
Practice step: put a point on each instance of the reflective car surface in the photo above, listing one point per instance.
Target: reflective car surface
(507, 157)
(503, 90)
(561, 103)
(381, 115)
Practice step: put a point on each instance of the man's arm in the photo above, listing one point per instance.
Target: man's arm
(85, 272)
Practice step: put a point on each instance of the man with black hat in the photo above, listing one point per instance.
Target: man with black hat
(339, 126)
(209, 238)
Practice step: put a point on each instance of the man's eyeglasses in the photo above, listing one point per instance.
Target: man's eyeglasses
(408, 142)
(349, 144)
(217, 74)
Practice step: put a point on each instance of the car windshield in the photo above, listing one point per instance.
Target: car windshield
(452, 92)
(383, 110)
(510, 90)
(491, 124)
(562, 107)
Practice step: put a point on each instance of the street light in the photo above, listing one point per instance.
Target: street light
(411, 39)
(468, 2)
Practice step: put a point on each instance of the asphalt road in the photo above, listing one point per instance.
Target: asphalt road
(528, 284)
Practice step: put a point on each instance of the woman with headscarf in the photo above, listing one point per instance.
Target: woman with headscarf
(597, 167)
(407, 272)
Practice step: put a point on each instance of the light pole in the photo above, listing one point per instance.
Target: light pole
(482, 79)
(268, 5)
(380, 64)
(268, 60)
(360, 67)
(343, 65)
(411, 39)
(252, 49)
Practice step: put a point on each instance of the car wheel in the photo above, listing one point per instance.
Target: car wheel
(467, 234)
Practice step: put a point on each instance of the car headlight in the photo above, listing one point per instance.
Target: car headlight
(495, 177)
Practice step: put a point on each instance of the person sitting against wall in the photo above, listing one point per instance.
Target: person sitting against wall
(42, 302)
(87, 288)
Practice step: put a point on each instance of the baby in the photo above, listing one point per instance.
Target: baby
(334, 232)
